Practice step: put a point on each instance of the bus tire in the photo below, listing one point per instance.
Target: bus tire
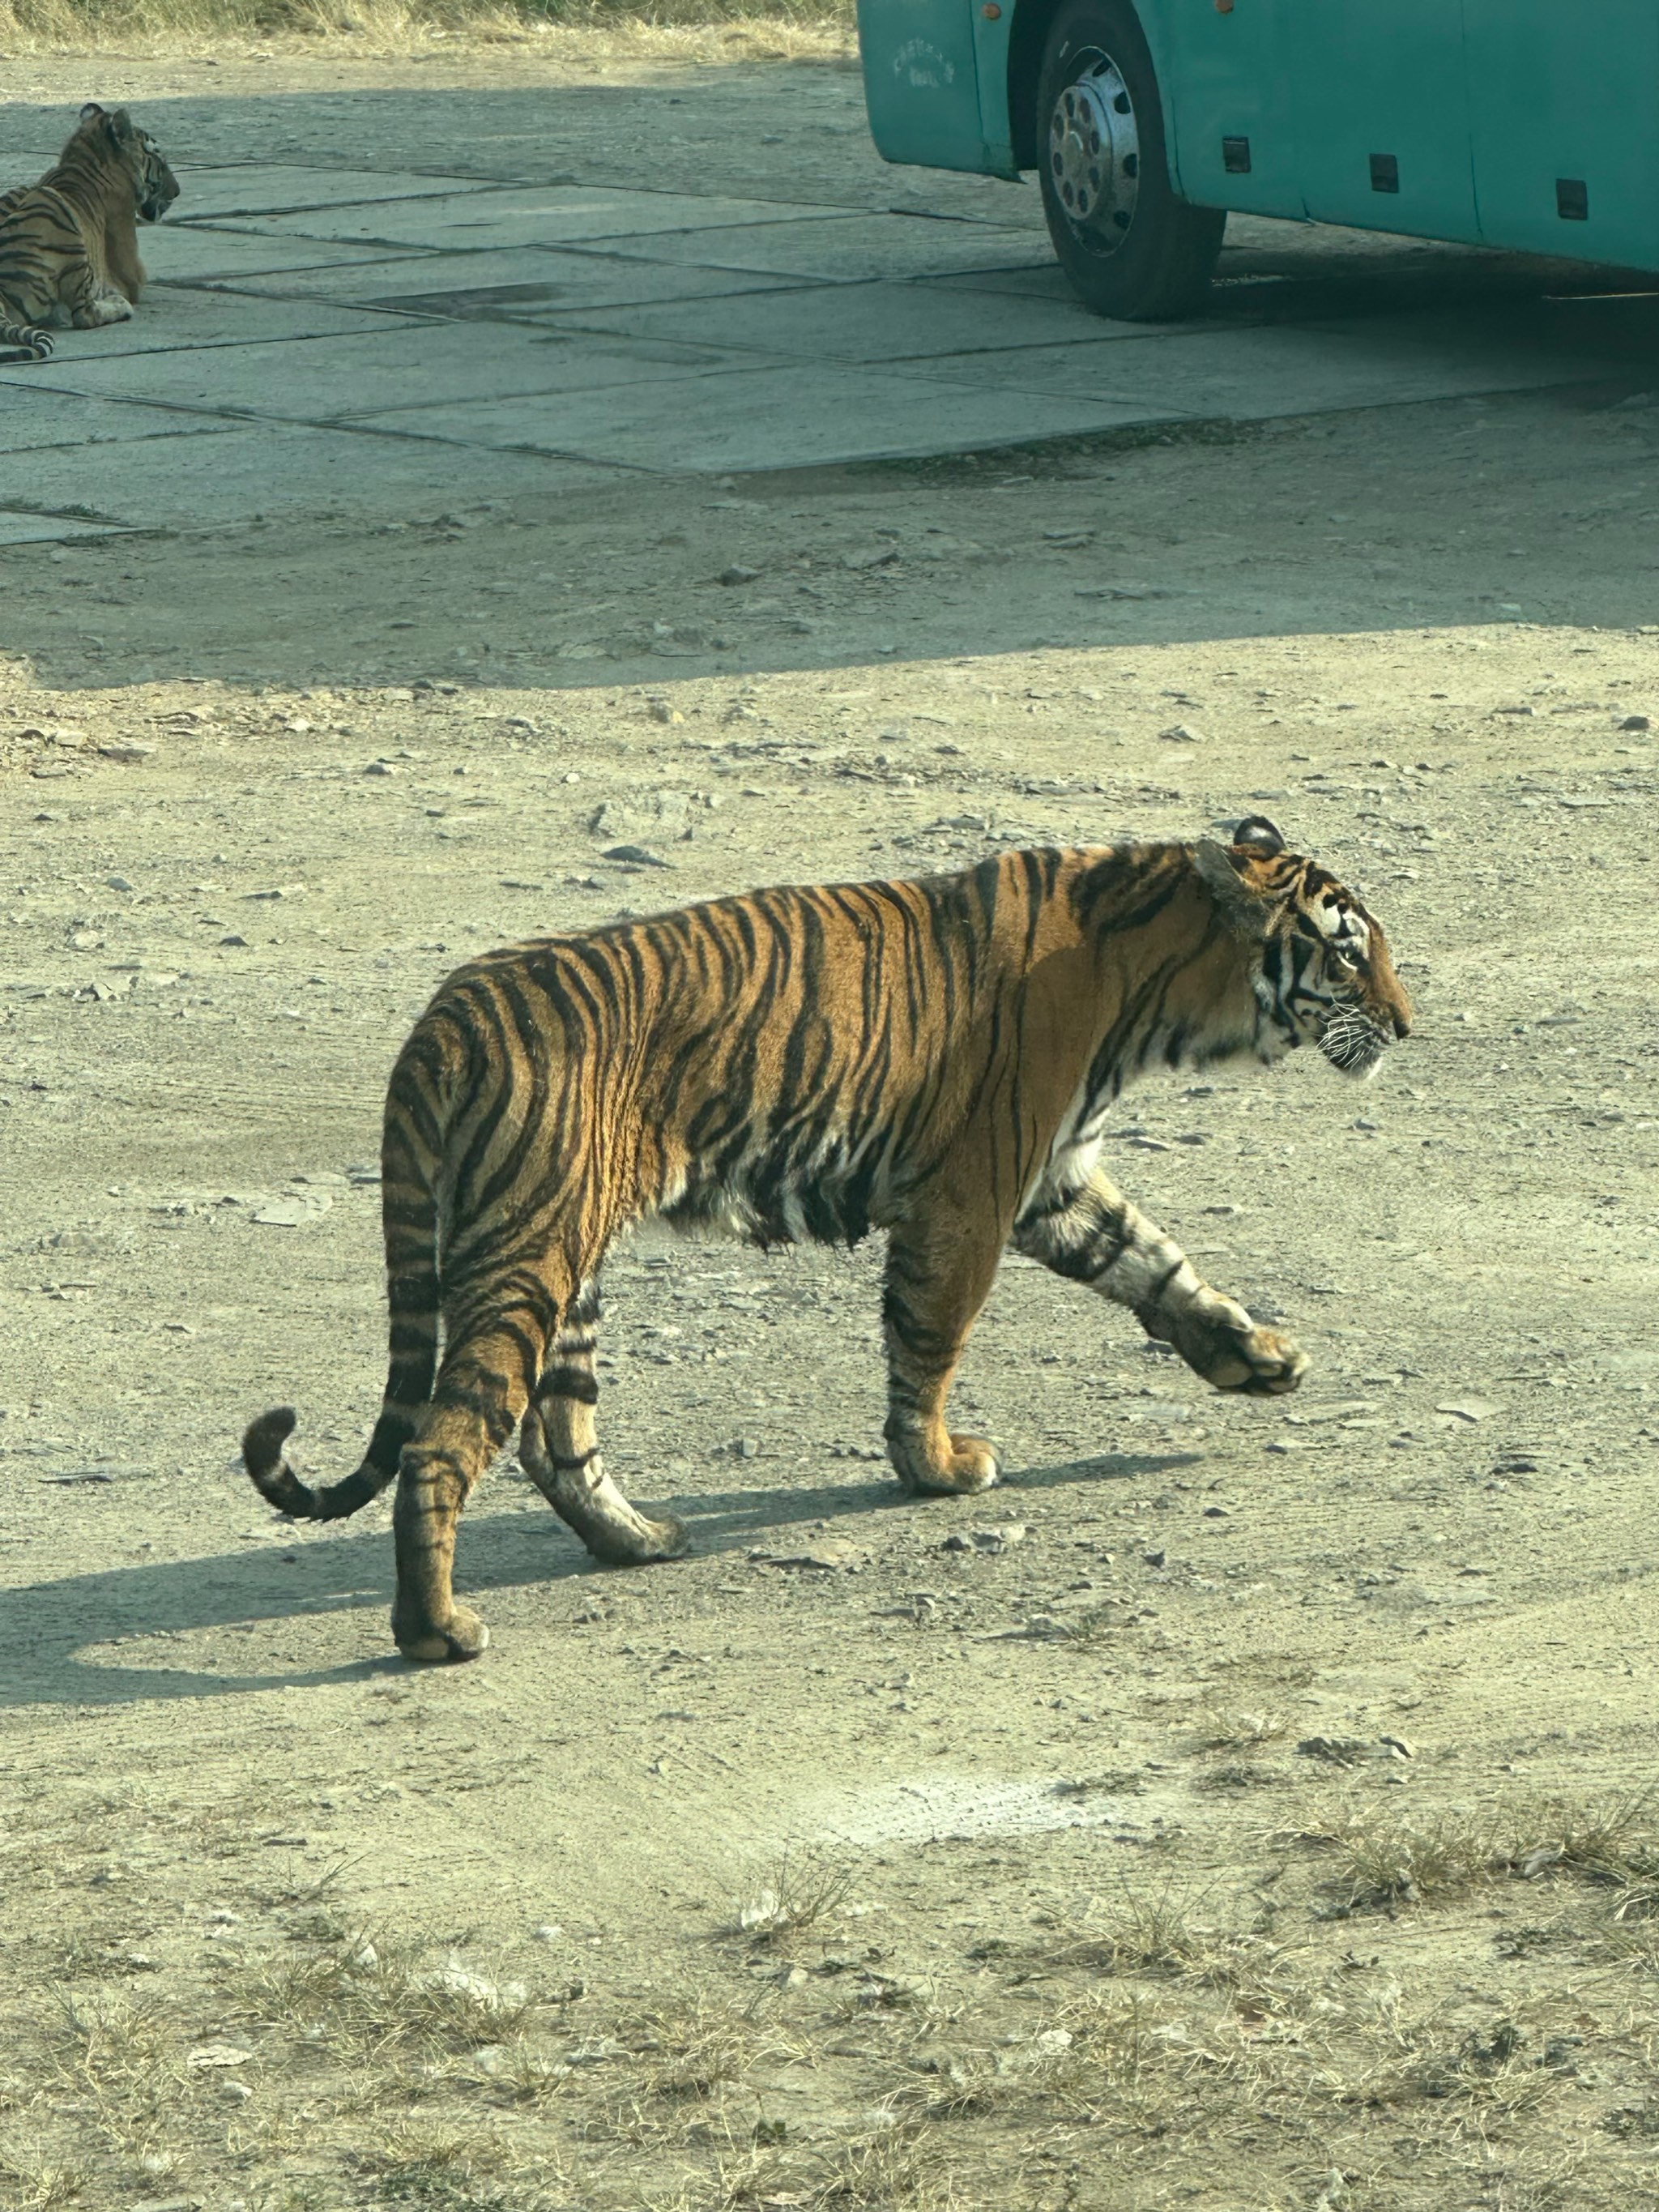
(1130, 247)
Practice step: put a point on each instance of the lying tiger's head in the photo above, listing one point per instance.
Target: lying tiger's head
(111, 134)
(1326, 977)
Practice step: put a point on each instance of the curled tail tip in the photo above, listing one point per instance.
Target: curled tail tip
(262, 1456)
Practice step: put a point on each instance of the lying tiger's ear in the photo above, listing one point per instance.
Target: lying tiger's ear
(1261, 835)
(1244, 910)
(120, 128)
(89, 111)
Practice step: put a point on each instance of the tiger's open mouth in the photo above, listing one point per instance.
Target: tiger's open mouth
(1353, 1041)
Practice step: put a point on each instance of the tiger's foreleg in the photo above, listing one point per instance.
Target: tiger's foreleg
(941, 1263)
(1094, 1235)
(483, 1387)
(103, 304)
(559, 1450)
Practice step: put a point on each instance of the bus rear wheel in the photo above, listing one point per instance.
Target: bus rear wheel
(1131, 249)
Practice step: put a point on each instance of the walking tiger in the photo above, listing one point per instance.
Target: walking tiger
(936, 1059)
(69, 246)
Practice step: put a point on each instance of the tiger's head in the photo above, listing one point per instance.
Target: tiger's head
(114, 133)
(1326, 975)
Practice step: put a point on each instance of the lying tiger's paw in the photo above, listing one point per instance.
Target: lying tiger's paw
(1225, 1346)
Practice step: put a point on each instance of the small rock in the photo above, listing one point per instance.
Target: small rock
(737, 574)
(999, 1539)
(118, 883)
(209, 2055)
(789, 1977)
(828, 1555)
(635, 856)
(293, 1213)
(870, 556)
(1469, 1409)
(379, 768)
(1155, 1558)
(131, 752)
(1335, 1750)
(549, 1932)
(1636, 722)
(1182, 733)
(661, 711)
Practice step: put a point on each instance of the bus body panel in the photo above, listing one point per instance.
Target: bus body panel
(921, 82)
(1564, 98)
(1518, 124)
(1379, 113)
(1226, 102)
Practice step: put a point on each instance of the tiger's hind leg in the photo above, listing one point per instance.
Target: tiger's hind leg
(559, 1449)
(102, 304)
(941, 1263)
(483, 1386)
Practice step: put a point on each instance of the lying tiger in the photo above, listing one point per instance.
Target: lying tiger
(937, 1059)
(69, 246)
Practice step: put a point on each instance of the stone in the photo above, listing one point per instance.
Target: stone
(1637, 722)
(1182, 733)
(209, 2055)
(828, 1555)
(738, 574)
(635, 856)
(1469, 1409)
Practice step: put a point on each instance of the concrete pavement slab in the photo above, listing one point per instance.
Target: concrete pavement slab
(269, 188)
(518, 284)
(49, 529)
(231, 475)
(1254, 374)
(31, 417)
(177, 318)
(868, 323)
(410, 364)
(847, 249)
(544, 215)
(782, 417)
(188, 254)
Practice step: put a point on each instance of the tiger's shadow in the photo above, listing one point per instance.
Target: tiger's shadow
(61, 1635)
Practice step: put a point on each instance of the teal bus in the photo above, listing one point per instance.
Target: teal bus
(1527, 125)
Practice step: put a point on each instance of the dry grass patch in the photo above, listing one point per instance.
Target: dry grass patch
(34, 2184)
(1382, 1857)
(369, 2006)
(586, 30)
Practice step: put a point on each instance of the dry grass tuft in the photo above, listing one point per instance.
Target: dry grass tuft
(36, 2186)
(802, 1888)
(1229, 1730)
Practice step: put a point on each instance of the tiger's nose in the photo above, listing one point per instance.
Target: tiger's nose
(1402, 1021)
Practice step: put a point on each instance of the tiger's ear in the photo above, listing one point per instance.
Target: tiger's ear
(1243, 910)
(120, 127)
(1261, 835)
(89, 111)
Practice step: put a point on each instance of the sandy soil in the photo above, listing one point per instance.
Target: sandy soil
(1244, 1808)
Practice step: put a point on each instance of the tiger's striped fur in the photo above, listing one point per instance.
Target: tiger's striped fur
(69, 246)
(936, 1059)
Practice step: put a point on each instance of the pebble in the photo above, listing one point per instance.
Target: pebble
(635, 856)
(1637, 722)
(1469, 1409)
(1182, 733)
(737, 574)
(999, 1539)
(209, 2055)
(828, 1555)
(549, 1932)
(118, 883)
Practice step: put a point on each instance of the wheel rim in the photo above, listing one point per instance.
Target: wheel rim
(1094, 154)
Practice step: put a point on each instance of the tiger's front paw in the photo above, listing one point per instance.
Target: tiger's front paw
(1228, 1349)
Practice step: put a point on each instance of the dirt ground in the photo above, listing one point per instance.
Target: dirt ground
(1244, 1809)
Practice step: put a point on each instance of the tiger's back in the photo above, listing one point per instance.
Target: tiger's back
(936, 1057)
(69, 245)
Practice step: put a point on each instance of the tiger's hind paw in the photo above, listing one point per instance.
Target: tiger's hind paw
(463, 1636)
(972, 1466)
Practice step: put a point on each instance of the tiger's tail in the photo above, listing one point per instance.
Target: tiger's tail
(28, 338)
(409, 1213)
